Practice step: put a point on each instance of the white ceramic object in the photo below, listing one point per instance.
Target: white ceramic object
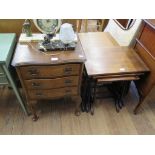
(67, 34)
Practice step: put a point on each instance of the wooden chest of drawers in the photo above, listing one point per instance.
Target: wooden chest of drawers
(42, 78)
(145, 48)
(45, 82)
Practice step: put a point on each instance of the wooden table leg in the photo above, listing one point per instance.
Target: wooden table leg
(33, 110)
(78, 106)
(141, 99)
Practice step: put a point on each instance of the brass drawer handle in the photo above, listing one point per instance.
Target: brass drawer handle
(67, 70)
(39, 94)
(68, 81)
(35, 85)
(33, 72)
(68, 91)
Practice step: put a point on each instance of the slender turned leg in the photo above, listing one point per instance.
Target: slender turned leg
(141, 99)
(33, 110)
(78, 106)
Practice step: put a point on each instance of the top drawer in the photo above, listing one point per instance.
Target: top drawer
(30, 72)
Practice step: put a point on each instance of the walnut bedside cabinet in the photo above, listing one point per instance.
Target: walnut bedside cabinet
(7, 46)
(48, 75)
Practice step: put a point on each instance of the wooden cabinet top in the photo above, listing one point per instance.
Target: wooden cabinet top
(28, 54)
(105, 57)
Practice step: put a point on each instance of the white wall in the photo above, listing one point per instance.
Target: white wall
(123, 37)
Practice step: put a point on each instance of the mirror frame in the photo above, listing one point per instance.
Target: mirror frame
(125, 24)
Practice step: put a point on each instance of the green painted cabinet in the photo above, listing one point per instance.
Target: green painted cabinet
(7, 46)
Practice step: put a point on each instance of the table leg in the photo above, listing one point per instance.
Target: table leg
(86, 96)
(141, 99)
(85, 93)
(78, 106)
(93, 94)
(119, 90)
(32, 104)
(11, 81)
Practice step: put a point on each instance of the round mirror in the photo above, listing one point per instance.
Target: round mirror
(47, 26)
(125, 24)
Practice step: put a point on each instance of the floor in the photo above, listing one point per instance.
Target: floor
(57, 117)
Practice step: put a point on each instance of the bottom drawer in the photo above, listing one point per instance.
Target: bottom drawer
(52, 93)
(3, 80)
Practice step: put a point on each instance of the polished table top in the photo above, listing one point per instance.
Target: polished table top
(28, 54)
(106, 57)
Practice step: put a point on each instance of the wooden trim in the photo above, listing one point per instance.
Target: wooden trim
(146, 21)
(118, 76)
(79, 25)
(104, 23)
(138, 34)
(128, 25)
(118, 79)
(141, 44)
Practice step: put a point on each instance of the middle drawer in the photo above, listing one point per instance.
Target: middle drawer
(52, 83)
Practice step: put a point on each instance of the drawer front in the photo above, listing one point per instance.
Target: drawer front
(52, 83)
(32, 72)
(52, 93)
(1, 71)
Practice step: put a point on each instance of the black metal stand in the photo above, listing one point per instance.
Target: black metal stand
(119, 90)
(88, 93)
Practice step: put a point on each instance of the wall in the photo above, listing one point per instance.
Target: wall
(15, 25)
